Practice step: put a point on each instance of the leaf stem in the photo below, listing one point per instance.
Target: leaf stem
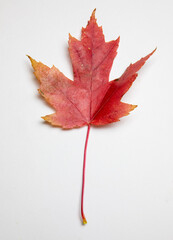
(83, 177)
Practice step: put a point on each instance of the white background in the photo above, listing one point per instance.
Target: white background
(129, 174)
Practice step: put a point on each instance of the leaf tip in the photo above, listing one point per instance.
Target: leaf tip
(33, 62)
(153, 51)
(30, 58)
(70, 36)
(133, 107)
(150, 54)
(94, 11)
(93, 15)
(46, 118)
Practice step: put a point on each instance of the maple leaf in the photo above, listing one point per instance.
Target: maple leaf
(90, 99)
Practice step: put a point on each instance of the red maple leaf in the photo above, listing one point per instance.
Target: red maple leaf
(91, 99)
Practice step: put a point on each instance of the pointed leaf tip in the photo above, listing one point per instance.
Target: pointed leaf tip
(47, 118)
(28, 57)
(149, 55)
(133, 107)
(70, 37)
(33, 62)
(154, 50)
(118, 40)
(93, 15)
(93, 12)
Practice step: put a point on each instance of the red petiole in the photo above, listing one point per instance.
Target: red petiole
(83, 177)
